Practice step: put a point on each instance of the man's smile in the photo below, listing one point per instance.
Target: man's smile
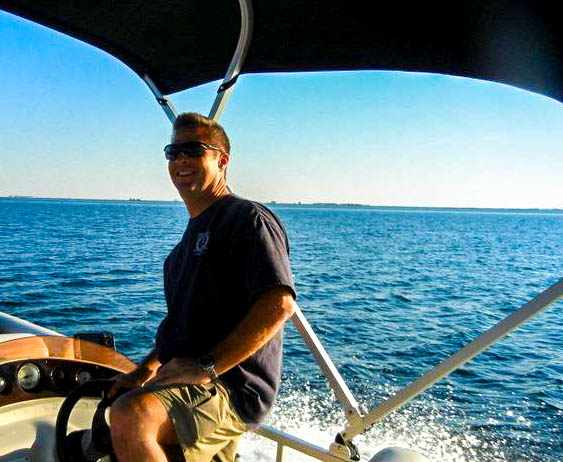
(185, 172)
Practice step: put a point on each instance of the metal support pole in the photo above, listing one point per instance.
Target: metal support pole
(226, 88)
(298, 444)
(455, 361)
(245, 36)
(164, 102)
(337, 384)
(280, 455)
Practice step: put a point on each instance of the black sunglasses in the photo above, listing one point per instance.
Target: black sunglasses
(190, 149)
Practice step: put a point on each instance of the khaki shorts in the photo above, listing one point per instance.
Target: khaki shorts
(206, 423)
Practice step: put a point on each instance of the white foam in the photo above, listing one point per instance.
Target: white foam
(301, 414)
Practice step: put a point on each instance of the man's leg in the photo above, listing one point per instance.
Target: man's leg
(140, 426)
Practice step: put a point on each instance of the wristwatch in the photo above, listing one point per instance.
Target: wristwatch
(207, 363)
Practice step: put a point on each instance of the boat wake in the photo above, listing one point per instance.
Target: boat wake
(424, 426)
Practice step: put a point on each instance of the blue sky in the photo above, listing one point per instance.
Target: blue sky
(78, 123)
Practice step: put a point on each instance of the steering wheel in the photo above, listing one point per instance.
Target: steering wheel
(100, 440)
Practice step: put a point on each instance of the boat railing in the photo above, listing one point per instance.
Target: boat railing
(358, 418)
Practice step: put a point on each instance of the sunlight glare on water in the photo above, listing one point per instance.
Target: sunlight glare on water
(301, 415)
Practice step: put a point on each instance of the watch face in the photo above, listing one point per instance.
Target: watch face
(207, 362)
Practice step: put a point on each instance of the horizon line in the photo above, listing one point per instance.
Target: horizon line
(298, 204)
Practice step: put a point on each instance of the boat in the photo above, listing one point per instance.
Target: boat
(50, 384)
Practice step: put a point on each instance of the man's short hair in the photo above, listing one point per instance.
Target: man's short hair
(217, 133)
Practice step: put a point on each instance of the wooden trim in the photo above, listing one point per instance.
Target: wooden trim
(64, 348)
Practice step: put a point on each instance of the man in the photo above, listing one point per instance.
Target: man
(216, 366)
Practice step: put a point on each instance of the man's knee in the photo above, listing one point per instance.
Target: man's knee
(128, 412)
(141, 415)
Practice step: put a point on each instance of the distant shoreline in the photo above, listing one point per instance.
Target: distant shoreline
(300, 204)
(402, 207)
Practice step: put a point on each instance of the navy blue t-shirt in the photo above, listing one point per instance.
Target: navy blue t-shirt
(229, 254)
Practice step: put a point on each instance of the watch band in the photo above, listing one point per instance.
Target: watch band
(207, 363)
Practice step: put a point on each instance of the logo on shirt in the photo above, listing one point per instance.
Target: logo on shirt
(201, 242)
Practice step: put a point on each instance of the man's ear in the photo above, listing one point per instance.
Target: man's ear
(223, 160)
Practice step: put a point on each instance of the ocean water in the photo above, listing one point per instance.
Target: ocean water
(390, 293)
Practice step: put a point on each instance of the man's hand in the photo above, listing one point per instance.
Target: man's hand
(133, 379)
(180, 371)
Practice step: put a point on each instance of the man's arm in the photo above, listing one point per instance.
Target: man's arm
(145, 371)
(265, 318)
(150, 363)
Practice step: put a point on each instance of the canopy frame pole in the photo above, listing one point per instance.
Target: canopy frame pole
(164, 102)
(226, 88)
(352, 409)
(446, 367)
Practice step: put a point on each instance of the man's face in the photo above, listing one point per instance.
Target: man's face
(195, 177)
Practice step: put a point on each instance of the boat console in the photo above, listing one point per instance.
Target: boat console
(39, 369)
(24, 379)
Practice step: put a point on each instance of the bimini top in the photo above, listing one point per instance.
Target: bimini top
(184, 43)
